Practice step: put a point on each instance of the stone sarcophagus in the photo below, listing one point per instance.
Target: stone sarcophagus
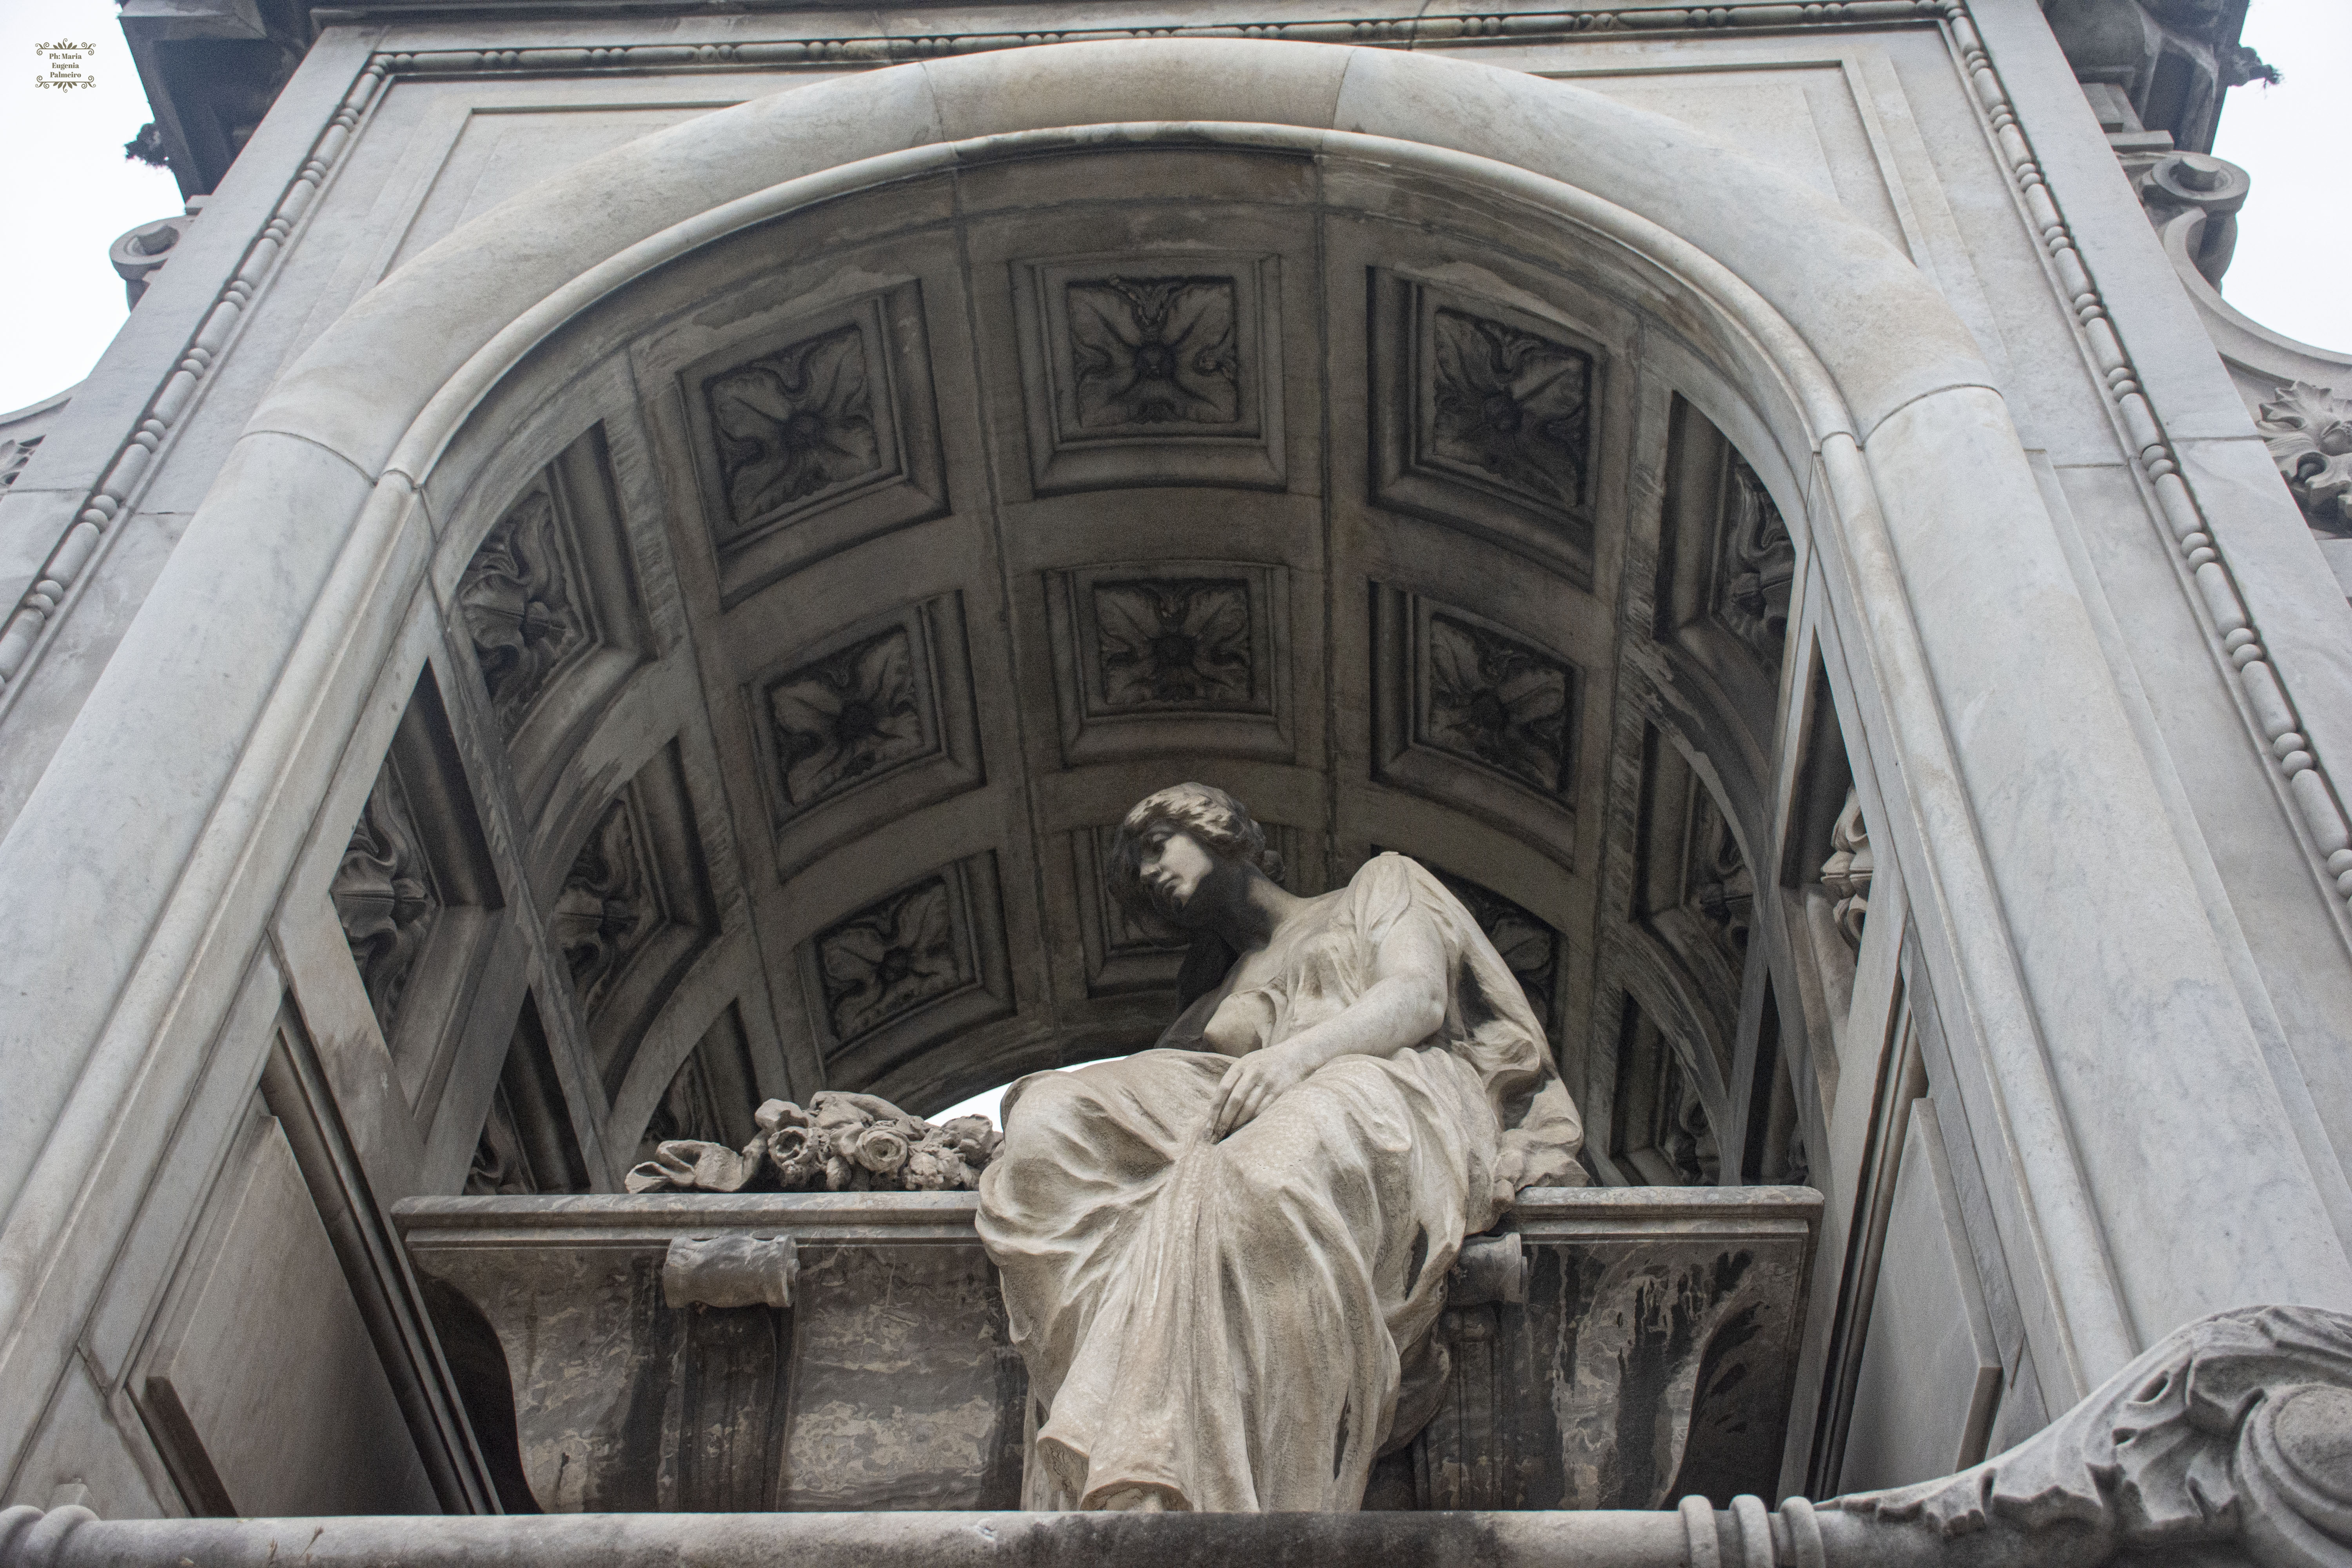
(1609, 1348)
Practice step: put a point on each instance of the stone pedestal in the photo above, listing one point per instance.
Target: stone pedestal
(671, 1351)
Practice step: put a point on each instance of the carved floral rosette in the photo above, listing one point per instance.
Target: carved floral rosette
(841, 1142)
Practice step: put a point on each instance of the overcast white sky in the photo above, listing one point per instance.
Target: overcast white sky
(71, 192)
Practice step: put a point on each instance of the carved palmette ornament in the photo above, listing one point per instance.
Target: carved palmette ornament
(1846, 873)
(841, 1142)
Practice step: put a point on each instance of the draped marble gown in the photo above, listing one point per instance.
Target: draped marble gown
(1228, 1326)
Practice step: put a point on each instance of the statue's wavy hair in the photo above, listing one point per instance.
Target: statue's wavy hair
(1219, 824)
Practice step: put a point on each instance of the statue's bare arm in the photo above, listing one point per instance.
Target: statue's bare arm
(1403, 1006)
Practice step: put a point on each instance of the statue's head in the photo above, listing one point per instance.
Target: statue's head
(1216, 821)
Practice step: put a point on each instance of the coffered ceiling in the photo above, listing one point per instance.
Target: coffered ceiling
(874, 561)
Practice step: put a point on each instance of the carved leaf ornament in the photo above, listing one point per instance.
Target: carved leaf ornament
(1511, 403)
(795, 423)
(1155, 350)
(1182, 642)
(606, 909)
(1499, 702)
(1758, 568)
(519, 608)
(849, 714)
(2231, 1429)
(384, 897)
(889, 958)
(2309, 432)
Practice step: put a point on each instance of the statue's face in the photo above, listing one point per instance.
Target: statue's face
(1172, 866)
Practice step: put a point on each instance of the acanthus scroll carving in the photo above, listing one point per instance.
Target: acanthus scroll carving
(385, 897)
(13, 456)
(2234, 1428)
(2309, 432)
(521, 607)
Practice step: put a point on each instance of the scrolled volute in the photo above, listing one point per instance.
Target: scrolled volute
(2234, 1429)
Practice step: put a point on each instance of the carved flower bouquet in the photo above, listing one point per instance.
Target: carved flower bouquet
(841, 1142)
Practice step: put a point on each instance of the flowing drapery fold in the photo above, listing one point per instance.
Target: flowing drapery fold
(1227, 1325)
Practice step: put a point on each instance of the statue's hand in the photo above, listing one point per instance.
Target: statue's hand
(1250, 1085)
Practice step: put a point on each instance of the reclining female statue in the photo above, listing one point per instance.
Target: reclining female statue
(1223, 1258)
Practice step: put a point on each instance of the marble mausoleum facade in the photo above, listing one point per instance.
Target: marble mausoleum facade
(630, 558)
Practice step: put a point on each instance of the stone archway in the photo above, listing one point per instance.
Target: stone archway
(359, 501)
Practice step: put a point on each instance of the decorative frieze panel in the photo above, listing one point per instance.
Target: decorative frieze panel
(818, 434)
(1476, 715)
(1153, 370)
(1691, 905)
(1717, 882)
(1149, 352)
(923, 963)
(1183, 656)
(847, 717)
(634, 911)
(609, 905)
(865, 726)
(794, 424)
(1485, 417)
(1527, 944)
(1490, 699)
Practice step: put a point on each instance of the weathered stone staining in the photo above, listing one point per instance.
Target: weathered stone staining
(1661, 1326)
(625, 570)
